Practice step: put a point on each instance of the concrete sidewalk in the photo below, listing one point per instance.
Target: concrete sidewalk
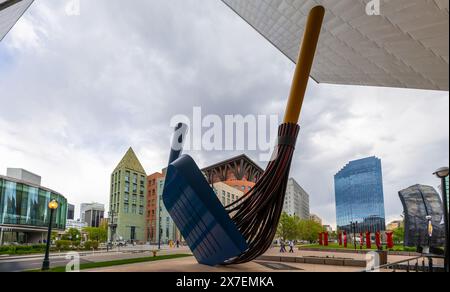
(186, 265)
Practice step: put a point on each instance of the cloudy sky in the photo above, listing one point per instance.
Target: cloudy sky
(77, 91)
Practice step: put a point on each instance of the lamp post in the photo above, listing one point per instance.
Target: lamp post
(112, 226)
(53, 205)
(159, 223)
(442, 173)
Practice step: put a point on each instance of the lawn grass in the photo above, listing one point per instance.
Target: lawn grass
(87, 266)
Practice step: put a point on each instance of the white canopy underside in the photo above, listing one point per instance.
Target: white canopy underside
(406, 46)
(10, 14)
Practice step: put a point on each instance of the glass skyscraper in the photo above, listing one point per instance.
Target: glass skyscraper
(359, 196)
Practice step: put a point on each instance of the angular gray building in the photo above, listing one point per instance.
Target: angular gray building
(10, 12)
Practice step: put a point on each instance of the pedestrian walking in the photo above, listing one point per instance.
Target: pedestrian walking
(291, 246)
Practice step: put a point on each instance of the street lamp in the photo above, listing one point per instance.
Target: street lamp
(442, 173)
(112, 226)
(159, 222)
(53, 205)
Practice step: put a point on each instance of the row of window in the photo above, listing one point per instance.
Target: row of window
(134, 208)
(243, 188)
(116, 179)
(227, 198)
(21, 204)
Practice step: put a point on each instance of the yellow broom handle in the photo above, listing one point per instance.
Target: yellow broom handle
(304, 64)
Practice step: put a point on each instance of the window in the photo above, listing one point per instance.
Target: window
(134, 199)
(141, 200)
(135, 178)
(134, 188)
(125, 208)
(232, 197)
(127, 176)
(126, 198)
(141, 210)
(127, 187)
(133, 209)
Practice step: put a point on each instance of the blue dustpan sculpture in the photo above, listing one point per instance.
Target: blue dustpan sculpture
(197, 212)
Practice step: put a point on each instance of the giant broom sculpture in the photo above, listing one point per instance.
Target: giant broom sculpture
(212, 235)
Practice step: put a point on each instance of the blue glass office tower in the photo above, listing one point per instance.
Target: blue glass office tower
(359, 196)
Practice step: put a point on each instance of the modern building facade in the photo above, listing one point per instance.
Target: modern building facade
(24, 212)
(70, 212)
(238, 172)
(296, 201)
(226, 193)
(127, 199)
(10, 12)
(152, 207)
(93, 217)
(315, 218)
(94, 209)
(164, 222)
(75, 224)
(359, 196)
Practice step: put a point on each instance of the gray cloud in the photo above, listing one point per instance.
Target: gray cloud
(76, 92)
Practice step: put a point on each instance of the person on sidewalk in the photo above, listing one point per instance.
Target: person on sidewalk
(282, 247)
(291, 246)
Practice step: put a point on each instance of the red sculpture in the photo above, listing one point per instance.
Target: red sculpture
(325, 238)
(390, 239)
(368, 240)
(378, 239)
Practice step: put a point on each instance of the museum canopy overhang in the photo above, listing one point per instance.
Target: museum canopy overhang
(10, 12)
(405, 46)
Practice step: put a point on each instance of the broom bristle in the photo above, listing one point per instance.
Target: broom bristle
(257, 214)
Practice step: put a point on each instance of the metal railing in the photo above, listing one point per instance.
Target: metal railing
(422, 263)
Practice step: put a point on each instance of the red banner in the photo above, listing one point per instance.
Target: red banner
(361, 240)
(340, 239)
(345, 239)
(378, 239)
(320, 239)
(390, 239)
(368, 240)
(325, 238)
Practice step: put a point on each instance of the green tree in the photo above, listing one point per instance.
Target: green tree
(96, 234)
(309, 230)
(288, 227)
(72, 234)
(399, 235)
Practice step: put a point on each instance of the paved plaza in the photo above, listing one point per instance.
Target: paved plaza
(190, 264)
